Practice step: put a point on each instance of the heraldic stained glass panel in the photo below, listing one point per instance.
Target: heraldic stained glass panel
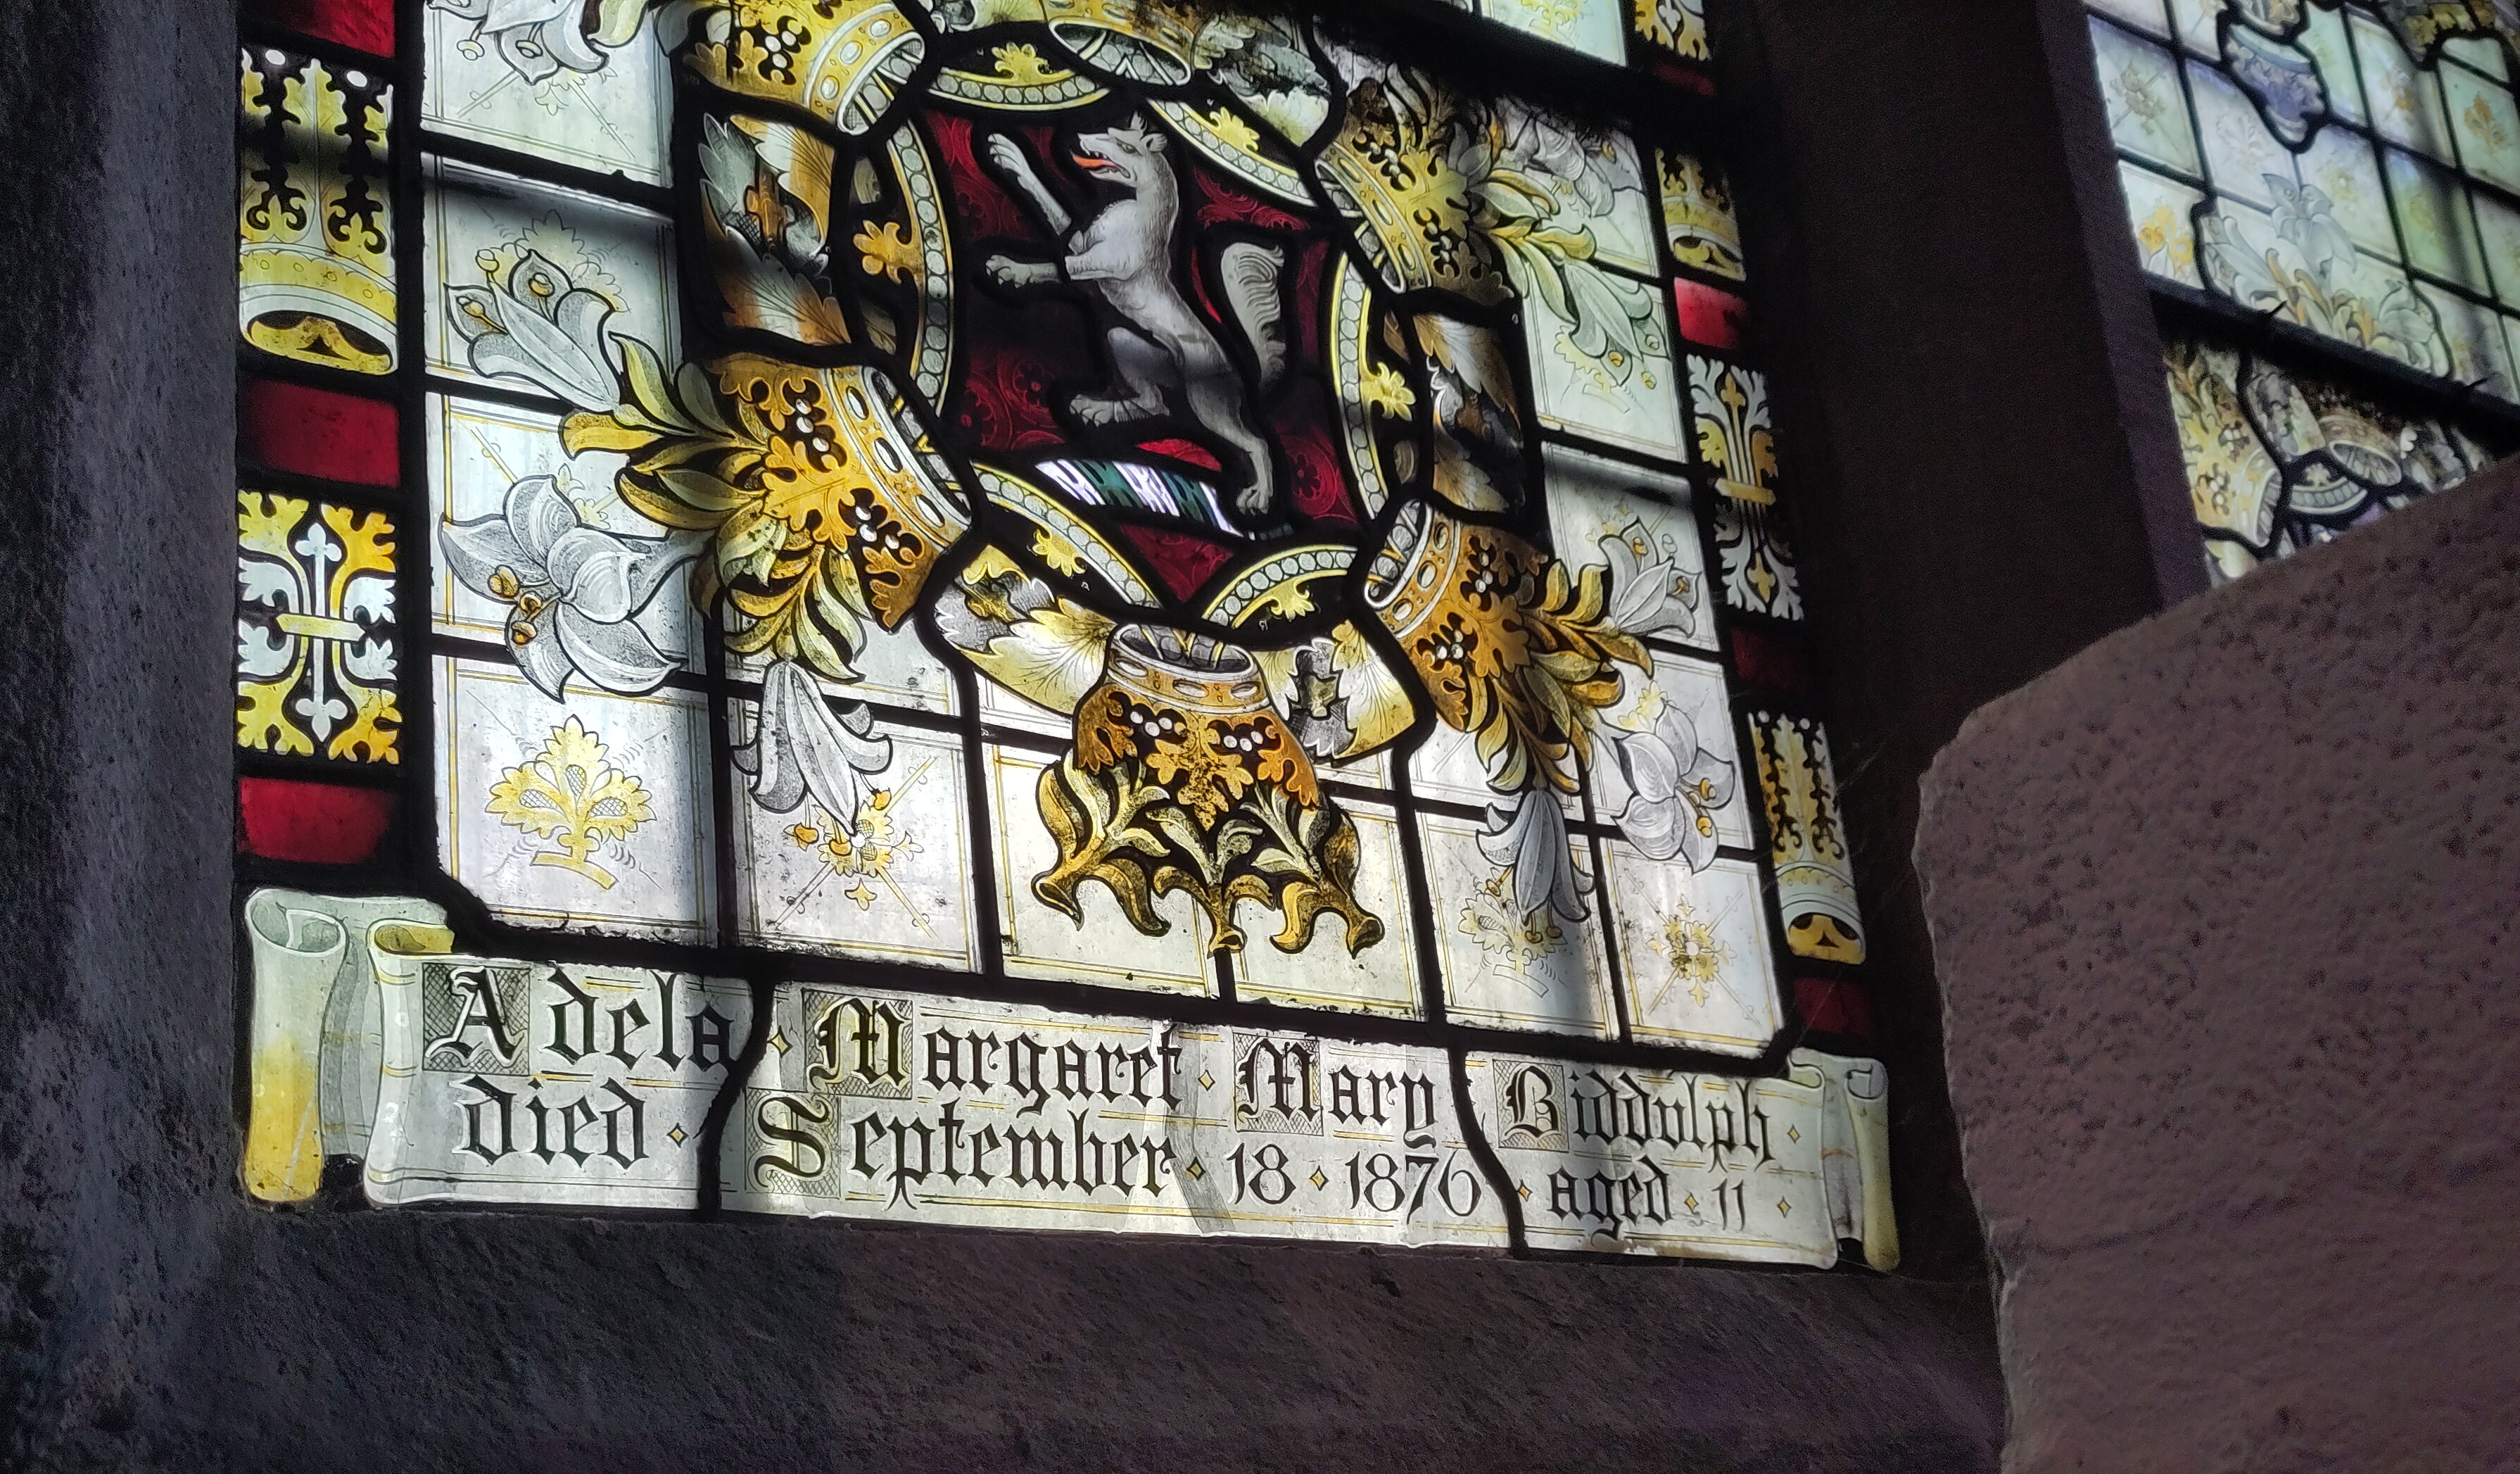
(2351, 171)
(1075, 614)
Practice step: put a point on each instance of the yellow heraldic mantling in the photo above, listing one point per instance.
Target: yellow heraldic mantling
(1185, 778)
(841, 60)
(824, 504)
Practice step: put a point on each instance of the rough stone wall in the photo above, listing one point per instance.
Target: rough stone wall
(116, 382)
(430, 1342)
(2223, 909)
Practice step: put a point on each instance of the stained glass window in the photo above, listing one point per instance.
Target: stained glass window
(2325, 195)
(1076, 614)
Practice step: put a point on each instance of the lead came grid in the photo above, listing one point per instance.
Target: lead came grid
(2386, 183)
(2322, 197)
(629, 828)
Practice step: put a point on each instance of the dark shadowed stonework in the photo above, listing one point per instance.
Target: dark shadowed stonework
(2224, 908)
(1970, 419)
(1952, 416)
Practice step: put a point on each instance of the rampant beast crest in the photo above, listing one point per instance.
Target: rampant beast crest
(1159, 365)
(1166, 358)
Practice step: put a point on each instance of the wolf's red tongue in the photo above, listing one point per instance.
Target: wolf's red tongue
(1091, 162)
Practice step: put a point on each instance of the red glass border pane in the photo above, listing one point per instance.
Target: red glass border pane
(1671, 72)
(1772, 664)
(365, 24)
(1829, 1006)
(320, 823)
(316, 432)
(1711, 316)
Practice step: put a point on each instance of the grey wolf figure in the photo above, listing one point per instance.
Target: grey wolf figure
(1160, 346)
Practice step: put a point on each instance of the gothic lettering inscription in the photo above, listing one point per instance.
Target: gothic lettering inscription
(457, 1078)
(953, 1110)
(1637, 1161)
(528, 1082)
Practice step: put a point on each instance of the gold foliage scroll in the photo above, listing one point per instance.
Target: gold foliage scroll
(825, 502)
(2425, 22)
(2233, 480)
(1514, 649)
(1185, 778)
(1123, 827)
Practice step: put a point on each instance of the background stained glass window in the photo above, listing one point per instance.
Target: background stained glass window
(2325, 195)
(1033, 612)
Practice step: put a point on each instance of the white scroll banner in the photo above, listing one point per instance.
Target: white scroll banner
(316, 1036)
(481, 1080)
(1612, 1159)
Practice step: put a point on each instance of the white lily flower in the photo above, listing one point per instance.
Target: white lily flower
(538, 325)
(802, 749)
(1648, 593)
(571, 590)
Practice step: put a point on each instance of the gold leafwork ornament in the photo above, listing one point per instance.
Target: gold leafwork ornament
(570, 792)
